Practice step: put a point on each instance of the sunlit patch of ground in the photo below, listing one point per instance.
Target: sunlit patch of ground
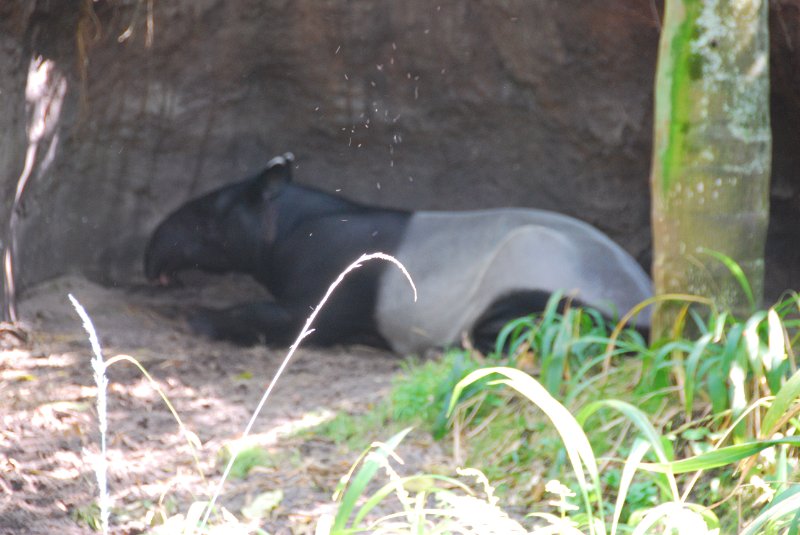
(48, 434)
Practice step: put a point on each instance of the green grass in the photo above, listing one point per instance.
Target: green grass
(419, 396)
(247, 458)
(601, 505)
(581, 427)
(668, 436)
(354, 432)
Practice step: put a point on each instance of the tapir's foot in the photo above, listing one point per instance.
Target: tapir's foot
(248, 324)
(500, 312)
(218, 325)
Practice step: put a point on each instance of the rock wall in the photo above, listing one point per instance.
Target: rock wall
(14, 60)
(416, 104)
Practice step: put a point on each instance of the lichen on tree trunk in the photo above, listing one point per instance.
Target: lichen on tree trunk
(711, 154)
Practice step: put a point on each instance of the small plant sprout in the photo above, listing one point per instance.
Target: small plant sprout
(559, 524)
(562, 493)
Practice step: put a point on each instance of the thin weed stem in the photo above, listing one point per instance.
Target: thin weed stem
(99, 367)
(307, 330)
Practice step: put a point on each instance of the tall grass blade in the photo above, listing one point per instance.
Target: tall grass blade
(777, 509)
(718, 373)
(679, 517)
(634, 415)
(99, 367)
(780, 408)
(510, 337)
(692, 362)
(635, 457)
(305, 331)
(359, 483)
(753, 341)
(737, 376)
(192, 439)
(775, 355)
(638, 418)
(554, 359)
(632, 313)
(717, 390)
(551, 309)
(426, 480)
(577, 446)
(721, 457)
(737, 273)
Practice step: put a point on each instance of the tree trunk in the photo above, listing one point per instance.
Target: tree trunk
(711, 154)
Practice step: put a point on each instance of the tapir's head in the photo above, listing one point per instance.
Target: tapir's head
(223, 230)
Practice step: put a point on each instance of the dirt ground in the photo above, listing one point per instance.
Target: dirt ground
(49, 435)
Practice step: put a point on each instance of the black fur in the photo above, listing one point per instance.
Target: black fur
(294, 240)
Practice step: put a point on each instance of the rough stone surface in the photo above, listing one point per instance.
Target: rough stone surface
(433, 105)
(14, 60)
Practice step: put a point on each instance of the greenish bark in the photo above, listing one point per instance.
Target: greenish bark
(711, 154)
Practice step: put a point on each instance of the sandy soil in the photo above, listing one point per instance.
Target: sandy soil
(49, 436)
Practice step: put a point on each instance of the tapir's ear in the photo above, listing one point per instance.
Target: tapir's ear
(276, 174)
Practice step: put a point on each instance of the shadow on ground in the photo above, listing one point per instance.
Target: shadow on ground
(49, 436)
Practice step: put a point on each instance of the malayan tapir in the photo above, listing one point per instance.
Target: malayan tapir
(474, 270)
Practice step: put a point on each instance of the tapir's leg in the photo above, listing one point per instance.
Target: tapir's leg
(251, 323)
(515, 305)
(503, 310)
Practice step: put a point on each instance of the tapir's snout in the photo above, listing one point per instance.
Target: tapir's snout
(164, 280)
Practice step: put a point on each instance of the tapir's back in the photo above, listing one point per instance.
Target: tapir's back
(462, 262)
